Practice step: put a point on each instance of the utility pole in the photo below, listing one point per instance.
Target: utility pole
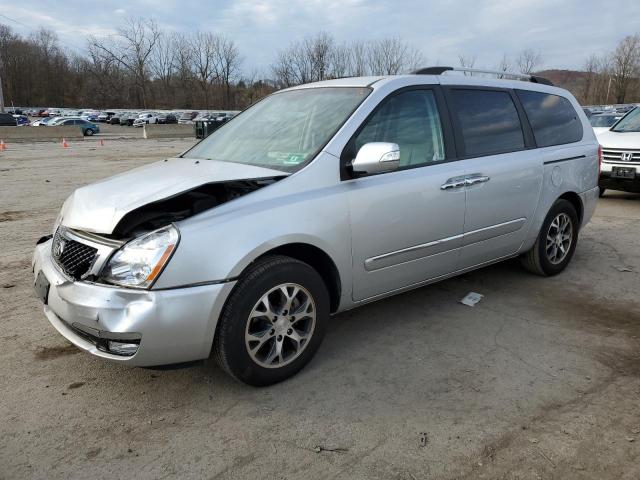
(1, 98)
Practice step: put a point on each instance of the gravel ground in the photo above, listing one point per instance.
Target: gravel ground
(539, 380)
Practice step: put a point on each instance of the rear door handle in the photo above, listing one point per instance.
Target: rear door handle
(453, 183)
(475, 178)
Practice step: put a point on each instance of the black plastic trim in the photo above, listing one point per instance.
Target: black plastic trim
(564, 159)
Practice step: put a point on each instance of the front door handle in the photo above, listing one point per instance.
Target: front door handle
(453, 183)
(476, 178)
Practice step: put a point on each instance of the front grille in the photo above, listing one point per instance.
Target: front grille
(620, 156)
(74, 258)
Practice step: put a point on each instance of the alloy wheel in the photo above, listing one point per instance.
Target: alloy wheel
(559, 238)
(280, 325)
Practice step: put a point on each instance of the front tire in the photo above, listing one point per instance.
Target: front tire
(273, 322)
(556, 242)
(88, 132)
(601, 192)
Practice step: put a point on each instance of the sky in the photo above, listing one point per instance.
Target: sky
(565, 32)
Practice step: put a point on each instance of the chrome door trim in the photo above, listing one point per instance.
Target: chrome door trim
(481, 234)
(410, 253)
(423, 250)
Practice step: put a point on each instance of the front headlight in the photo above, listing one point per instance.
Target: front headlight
(139, 262)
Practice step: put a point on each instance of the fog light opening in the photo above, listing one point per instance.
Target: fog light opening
(123, 348)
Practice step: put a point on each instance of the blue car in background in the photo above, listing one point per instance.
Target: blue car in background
(21, 120)
(88, 128)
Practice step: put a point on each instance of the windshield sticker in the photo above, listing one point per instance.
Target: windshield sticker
(287, 158)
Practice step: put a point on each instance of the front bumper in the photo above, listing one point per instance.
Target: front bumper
(172, 326)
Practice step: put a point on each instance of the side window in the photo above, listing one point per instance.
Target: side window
(488, 121)
(411, 120)
(553, 119)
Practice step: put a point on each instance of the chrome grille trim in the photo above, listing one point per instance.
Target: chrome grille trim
(89, 252)
(614, 155)
(74, 258)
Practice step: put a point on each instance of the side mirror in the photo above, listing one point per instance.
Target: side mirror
(377, 157)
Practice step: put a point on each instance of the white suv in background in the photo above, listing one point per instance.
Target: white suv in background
(621, 155)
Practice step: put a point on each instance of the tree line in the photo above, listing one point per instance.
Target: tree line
(141, 66)
(615, 76)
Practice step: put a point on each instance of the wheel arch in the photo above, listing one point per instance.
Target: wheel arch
(576, 201)
(318, 259)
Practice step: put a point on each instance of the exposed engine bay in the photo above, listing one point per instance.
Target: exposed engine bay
(184, 205)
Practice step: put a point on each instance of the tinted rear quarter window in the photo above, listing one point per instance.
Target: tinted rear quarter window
(487, 120)
(553, 119)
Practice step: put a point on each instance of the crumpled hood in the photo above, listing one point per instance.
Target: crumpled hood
(623, 140)
(99, 207)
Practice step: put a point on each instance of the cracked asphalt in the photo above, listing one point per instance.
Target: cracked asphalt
(541, 379)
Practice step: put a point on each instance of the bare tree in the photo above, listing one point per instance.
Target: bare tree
(504, 65)
(228, 65)
(528, 61)
(340, 61)
(163, 63)
(131, 49)
(625, 66)
(467, 61)
(391, 56)
(319, 52)
(204, 47)
(358, 58)
(183, 70)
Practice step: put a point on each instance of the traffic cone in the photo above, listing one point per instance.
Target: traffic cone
(64, 143)
(3, 146)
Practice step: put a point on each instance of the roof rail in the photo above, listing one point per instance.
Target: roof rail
(517, 76)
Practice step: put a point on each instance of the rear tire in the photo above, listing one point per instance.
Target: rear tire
(278, 300)
(556, 242)
(601, 193)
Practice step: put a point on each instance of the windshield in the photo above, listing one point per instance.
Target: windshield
(629, 123)
(284, 131)
(604, 120)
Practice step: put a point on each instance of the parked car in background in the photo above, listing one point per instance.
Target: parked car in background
(129, 119)
(88, 128)
(105, 116)
(91, 116)
(21, 120)
(603, 121)
(146, 118)
(7, 120)
(115, 118)
(167, 118)
(625, 108)
(187, 117)
(621, 155)
(316, 200)
(52, 121)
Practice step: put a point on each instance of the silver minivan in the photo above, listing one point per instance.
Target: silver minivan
(315, 200)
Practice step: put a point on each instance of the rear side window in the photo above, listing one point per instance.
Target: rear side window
(553, 119)
(487, 120)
